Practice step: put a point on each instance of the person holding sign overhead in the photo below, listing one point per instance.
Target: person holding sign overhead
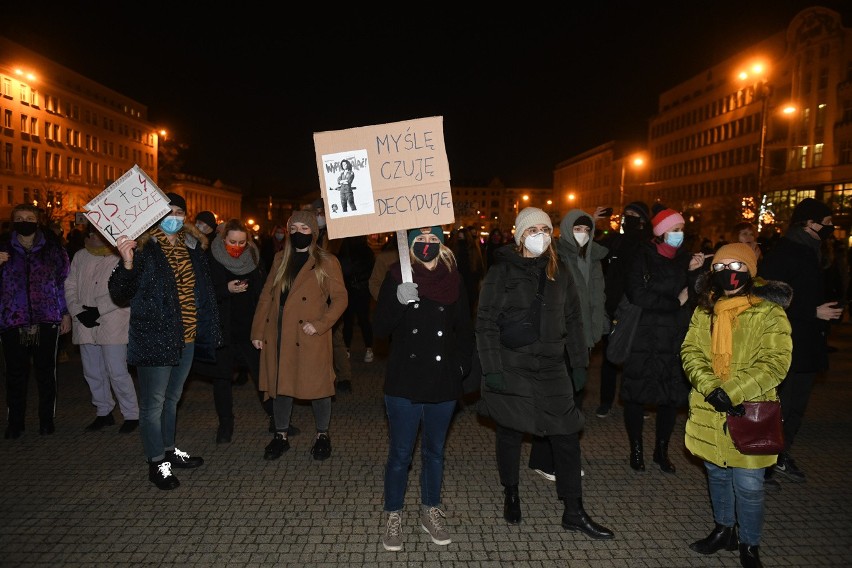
(431, 352)
(173, 319)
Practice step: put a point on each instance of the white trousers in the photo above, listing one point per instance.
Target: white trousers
(105, 369)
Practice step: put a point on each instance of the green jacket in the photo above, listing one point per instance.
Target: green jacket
(762, 351)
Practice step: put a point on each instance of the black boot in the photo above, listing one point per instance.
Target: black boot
(160, 474)
(225, 431)
(512, 505)
(661, 456)
(637, 457)
(721, 537)
(576, 519)
(749, 556)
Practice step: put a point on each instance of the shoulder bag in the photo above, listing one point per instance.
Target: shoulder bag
(760, 430)
(624, 326)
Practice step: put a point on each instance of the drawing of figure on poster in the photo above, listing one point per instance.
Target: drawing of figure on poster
(347, 174)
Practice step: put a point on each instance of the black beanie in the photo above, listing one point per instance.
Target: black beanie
(809, 209)
(640, 208)
(584, 220)
(176, 200)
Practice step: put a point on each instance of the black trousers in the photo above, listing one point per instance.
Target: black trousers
(43, 355)
(634, 420)
(794, 392)
(609, 375)
(566, 461)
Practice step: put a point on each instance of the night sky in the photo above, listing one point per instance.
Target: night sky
(519, 91)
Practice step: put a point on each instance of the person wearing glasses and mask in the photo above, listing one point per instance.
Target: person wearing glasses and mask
(737, 349)
(658, 281)
(165, 279)
(526, 388)
(796, 260)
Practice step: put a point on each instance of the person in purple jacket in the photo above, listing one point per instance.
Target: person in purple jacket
(33, 314)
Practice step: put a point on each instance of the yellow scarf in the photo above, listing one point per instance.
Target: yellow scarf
(727, 310)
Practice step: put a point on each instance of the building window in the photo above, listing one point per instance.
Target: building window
(818, 155)
(823, 79)
(25, 153)
(34, 127)
(7, 118)
(7, 157)
(7, 88)
(24, 119)
(10, 195)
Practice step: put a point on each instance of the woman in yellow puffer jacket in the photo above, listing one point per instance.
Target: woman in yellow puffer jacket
(738, 348)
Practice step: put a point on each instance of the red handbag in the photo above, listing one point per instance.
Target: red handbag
(760, 431)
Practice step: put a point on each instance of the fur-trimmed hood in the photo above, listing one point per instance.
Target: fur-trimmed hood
(773, 290)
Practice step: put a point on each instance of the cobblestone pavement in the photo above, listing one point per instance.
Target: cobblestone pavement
(76, 498)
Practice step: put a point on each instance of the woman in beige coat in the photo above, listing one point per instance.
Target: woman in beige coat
(303, 297)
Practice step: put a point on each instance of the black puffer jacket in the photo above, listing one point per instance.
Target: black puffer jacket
(653, 373)
(539, 394)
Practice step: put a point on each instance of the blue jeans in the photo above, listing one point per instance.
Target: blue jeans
(737, 497)
(160, 389)
(404, 420)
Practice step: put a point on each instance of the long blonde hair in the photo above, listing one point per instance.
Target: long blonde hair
(285, 276)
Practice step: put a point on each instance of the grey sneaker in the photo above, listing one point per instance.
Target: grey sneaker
(432, 521)
(393, 532)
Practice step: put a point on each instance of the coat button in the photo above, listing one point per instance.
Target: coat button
(416, 305)
(412, 356)
(304, 299)
(301, 321)
(440, 308)
(437, 357)
(440, 334)
(414, 330)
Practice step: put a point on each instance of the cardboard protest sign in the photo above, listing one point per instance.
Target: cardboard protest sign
(385, 177)
(128, 207)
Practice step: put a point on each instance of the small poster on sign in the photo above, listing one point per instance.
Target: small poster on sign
(128, 207)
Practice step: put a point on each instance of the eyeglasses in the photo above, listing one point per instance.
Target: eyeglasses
(735, 265)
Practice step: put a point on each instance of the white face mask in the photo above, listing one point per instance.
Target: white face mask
(321, 221)
(537, 243)
(581, 238)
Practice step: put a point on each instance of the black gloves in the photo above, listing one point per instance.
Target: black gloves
(719, 400)
(89, 317)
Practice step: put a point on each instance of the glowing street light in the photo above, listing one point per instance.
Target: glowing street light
(635, 162)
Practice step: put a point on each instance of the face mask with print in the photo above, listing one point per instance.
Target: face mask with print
(301, 240)
(581, 238)
(426, 252)
(235, 250)
(674, 239)
(171, 224)
(729, 280)
(537, 243)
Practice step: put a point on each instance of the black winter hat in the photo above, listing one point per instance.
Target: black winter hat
(809, 209)
(641, 208)
(207, 218)
(177, 200)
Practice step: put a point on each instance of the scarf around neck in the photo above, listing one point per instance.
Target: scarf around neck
(241, 265)
(440, 285)
(726, 312)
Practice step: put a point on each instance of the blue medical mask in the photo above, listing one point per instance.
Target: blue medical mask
(171, 224)
(674, 239)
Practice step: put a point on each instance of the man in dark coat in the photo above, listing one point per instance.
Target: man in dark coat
(796, 261)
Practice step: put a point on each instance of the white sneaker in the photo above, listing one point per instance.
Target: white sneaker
(544, 474)
(368, 356)
(392, 540)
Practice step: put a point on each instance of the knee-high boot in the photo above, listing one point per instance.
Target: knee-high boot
(512, 505)
(637, 456)
(661, 456)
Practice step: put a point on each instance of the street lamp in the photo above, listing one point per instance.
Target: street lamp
(636, 162)
(761, 91)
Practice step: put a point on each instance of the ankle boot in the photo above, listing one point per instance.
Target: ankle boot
(225, 431)
(637, 458)
(661, 456)
(719, 538)
(160, 474)
(576, 519)
(512, 505)
(749, 556)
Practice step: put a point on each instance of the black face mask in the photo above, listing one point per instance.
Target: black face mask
(730, 279)
(426, 251)
(824, 232)
(632, 224)
(300, 240)
(27, 228)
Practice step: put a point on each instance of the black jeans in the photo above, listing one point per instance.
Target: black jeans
(566, 461)
(43, 354)
(634, 419)
(609, 376)
(794, 392)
